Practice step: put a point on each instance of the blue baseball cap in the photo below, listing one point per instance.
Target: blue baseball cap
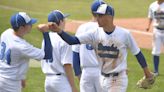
(20, 19)
(56, 16)
(96, 4)
(105, 9)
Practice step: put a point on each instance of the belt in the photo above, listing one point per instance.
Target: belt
(110, 74)
(58, 74)
(159, 28)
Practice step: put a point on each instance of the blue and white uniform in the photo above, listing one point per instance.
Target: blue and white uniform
(111, 49)
(112, 52)
(15, 53)
(156, 13)
(89, 81)
(56, 79)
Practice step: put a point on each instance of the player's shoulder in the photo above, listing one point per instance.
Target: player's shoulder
(154, 4)
(56, 39)
(86, 27)
(7, 32)
(122, 30)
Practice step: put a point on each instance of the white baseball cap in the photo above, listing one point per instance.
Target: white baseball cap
(20, 19)
(105, 9)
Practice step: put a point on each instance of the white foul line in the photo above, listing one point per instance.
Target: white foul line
(18, 9)
(141, 32)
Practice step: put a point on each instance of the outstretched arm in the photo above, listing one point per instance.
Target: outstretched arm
(76, 64)
(71, 40)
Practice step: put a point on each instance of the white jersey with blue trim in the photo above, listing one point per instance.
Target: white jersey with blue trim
(156, 12)
(87, 54)
(15, 53)
(111, 48)
(62, 54)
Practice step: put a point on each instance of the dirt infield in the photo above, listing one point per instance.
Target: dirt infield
(137, 26)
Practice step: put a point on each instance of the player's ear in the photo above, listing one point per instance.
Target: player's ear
(21, 27)
(62, 23)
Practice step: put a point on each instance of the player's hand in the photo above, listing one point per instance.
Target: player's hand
(79, 76)
(147, 29)
(23, 83)
(43, 27)
(54, 27)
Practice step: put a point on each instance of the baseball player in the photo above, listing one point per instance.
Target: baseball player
(58, 69)
(111, 43)
(15, 53)
(156, 14)
(89, 81)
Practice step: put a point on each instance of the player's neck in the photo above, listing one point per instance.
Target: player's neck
(160, 1)
(94, 19)
(19, 34)
(109, 28)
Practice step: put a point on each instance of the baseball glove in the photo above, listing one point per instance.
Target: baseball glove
(146, 83)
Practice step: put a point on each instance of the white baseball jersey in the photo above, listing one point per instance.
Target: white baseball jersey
(88, 57)
(15, 53)
(156, 12)
(111, 49)
(89, 81)
(62, 54)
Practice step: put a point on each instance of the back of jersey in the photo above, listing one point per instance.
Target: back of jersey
(88, 57)
(15, 53)
(10, 66)
(61, 54)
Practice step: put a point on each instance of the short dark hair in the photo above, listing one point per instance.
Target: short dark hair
(16, 28)
(94, 15)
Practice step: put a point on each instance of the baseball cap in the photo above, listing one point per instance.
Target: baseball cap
(56, 16)
(20, 19)
(96, 4)
(105, 9)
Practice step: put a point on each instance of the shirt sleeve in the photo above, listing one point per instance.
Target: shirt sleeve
(66, 54)
(132, 45)
(88, 37)
(28, 50)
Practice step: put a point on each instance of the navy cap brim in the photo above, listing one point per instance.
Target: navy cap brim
(66, 15)
(32, 21)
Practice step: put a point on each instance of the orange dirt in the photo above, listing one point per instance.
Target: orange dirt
(137, 26)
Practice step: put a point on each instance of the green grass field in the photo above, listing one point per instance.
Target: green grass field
(79, 10)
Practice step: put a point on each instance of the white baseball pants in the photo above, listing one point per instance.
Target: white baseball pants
(89, 81)
(114, 84)
(57, 83)
(158, 41)
(7, 85)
